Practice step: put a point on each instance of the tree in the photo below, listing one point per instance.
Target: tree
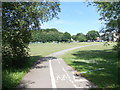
(46, 35)
(110, 13)
(92, 35)
(18, 19)
(66, 37)
(80, 37)
(74, 37)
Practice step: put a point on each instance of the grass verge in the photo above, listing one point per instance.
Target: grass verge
(93, 58)
(11, 77)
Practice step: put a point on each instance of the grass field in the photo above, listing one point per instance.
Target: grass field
(93, 58)
(12, 77)
(44, 49)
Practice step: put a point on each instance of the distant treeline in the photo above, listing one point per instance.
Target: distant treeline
(50, 35)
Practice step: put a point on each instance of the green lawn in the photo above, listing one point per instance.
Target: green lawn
(95, 57)
(12, 77)
(44, 49)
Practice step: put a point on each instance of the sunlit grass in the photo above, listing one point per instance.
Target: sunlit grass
(44, 49)
(12, 77)
(95, 57)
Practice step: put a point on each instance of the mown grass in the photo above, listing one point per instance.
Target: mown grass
(93, 58)
(11, 77)
(44, 49)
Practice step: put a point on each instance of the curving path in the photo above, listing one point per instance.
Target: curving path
(53, 72)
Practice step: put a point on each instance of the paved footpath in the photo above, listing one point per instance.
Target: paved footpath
(53, 72)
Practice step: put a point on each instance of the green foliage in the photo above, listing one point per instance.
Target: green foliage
(46, 35)
(18, 18)
(79, 37)
(50, 35)
(11, 77)
(66, 37)
(92, 35)
(110, 14)
(73, 37)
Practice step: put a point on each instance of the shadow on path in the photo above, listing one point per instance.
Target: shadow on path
(9, 81)
(37, 73)
(41, 60)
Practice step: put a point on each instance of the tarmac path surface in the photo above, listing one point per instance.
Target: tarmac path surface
(53, 72)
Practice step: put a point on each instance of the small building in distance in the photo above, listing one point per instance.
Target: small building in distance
(116, 36)
(113, 36)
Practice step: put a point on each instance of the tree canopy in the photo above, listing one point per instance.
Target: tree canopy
(110, 14)
(46, 35)
(66, 37)
(92, 35)
(79, 37)
(18, 19)
(50, 35)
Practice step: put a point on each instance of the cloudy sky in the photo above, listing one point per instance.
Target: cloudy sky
(76, 17)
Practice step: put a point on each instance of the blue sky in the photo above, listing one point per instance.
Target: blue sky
(75, 17)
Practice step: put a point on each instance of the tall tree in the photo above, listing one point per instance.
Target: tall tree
(46, 35)
(18, 19)
(66, 37)
(92, 35)
(110, 14)
(79, 37)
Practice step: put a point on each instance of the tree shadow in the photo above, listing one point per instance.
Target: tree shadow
(40, 61)
(11, 81)
(37, 65)
(92, 61)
